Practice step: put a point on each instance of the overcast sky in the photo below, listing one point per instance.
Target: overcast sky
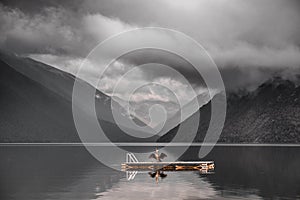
(248, 40)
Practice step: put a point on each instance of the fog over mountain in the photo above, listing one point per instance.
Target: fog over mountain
(251, 42)
(248, 40)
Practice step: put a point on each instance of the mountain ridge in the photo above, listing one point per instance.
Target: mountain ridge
(270, 114)
(36, 107)
(36, 104)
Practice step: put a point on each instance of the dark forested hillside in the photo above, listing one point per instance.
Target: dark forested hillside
(271, 114)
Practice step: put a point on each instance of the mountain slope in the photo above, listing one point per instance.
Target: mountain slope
(271, 114)
(31, 112)
(36, 104)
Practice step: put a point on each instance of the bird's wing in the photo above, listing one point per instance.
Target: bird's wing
(151, 174)
(163, 175)
(162, 156)
(152, 156)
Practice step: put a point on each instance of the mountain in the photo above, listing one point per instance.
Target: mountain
(187, 111)
(174, 115)
(271, 114)
(36, 104)
(140, 110)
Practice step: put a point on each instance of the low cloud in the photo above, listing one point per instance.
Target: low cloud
(40, 33)
(250, 41)
(55, 31)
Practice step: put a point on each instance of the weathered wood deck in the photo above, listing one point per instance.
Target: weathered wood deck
(168, 166)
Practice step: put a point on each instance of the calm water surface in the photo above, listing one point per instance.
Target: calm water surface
(70, 172)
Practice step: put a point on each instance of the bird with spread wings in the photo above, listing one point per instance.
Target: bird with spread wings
(158, 157)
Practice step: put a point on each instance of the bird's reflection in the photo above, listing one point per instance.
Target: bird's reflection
(157, 174)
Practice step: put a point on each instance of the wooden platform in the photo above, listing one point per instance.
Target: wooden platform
(168, 166)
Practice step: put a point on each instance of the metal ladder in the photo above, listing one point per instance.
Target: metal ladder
(130, 158)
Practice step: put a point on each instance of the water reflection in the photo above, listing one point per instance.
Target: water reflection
(157, 174)
(176, 186)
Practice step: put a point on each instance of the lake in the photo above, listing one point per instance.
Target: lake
(70, 172)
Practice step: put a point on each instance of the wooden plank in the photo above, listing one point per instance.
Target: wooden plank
(169, 163)
(168, 166)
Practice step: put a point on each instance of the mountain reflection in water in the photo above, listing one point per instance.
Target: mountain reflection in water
(39, 172)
